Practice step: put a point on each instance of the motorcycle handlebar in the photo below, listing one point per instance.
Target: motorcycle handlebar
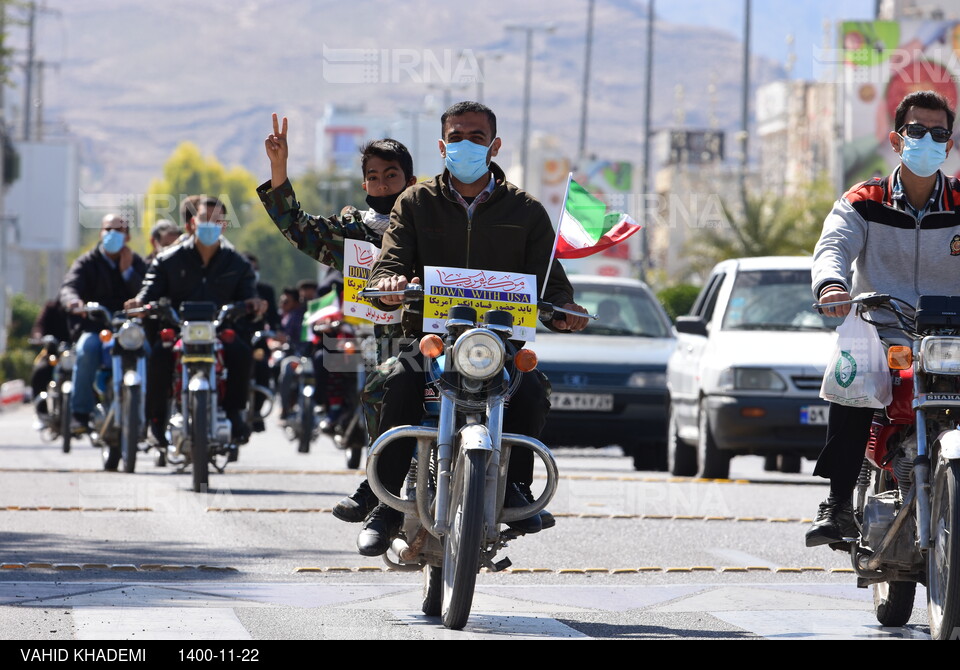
(414, 292)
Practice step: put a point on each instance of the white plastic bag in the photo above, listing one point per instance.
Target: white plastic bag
(857, 374)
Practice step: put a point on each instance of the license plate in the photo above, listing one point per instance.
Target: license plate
(584, 402)
(814, 415)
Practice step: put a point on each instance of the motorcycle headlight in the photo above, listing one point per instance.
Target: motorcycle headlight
(479, 354)
(750, 379)
(940, 355)
(130, 336)
(66, 361)
(198, 332)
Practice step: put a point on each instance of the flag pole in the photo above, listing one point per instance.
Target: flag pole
(556, 237)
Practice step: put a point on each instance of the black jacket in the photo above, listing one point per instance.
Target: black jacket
(510, 232)
(93, 278)
(178, 273)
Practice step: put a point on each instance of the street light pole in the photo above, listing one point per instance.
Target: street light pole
(528, 58)
(647, 131)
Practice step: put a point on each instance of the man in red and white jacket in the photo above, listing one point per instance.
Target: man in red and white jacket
(900, 235)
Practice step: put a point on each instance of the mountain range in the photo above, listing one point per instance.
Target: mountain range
(128, 80)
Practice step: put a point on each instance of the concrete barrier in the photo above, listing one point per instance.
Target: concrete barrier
(11, 393)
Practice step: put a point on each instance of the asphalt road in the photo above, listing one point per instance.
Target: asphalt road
(92, 555)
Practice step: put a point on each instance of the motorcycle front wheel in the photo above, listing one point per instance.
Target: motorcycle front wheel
(943, 577)
(307, 421)
(199, 431)
(129, 426)
(461, 546)
(65, 434)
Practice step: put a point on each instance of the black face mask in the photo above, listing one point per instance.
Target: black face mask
(382, 204)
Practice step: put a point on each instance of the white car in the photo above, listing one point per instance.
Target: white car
(745, 376)
(609, 380)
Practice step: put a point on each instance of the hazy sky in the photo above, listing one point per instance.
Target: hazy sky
(771, 22)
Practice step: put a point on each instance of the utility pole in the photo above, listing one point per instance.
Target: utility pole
(28, 85)
(745, 103)
(585, 94)
(527, 68)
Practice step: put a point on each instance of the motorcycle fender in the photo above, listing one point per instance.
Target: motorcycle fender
(950, 444)
(198, 383)
(475, 437)
(66, 387)
(131, 378)
(308, 391)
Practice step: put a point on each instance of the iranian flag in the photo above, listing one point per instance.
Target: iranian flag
(586, 227)
(325, 307)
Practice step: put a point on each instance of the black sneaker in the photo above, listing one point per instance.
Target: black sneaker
(834, 524)
(516, 498)
(379, 528)
(546, 519)
(355, 508)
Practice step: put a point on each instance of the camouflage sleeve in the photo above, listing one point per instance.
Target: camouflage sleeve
(319, 237)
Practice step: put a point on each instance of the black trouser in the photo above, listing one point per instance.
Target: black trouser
(848, 429)
(403, 405)
(237, 358)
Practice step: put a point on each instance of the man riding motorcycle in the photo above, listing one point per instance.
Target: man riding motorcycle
(206, 268)
(470, 217)
(109, 274)
(913, 248)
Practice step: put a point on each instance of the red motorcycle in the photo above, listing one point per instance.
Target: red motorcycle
(907, 502)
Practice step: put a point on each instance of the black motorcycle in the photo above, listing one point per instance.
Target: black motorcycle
(199, 430)
(52, 405)
(117, 423)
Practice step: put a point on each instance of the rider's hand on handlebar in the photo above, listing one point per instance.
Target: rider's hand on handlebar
(835, 295)
(132, 303)
(76, 306)
(569, 322)
(394, 283)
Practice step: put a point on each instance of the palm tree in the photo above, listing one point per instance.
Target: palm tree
(764, 226)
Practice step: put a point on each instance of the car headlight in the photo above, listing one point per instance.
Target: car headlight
(479, 354)
(940, 355)
(198, 332)
(750, 379)
(130, 336)
(648, 380)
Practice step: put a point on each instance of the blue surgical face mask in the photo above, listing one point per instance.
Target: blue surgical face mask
(466, 160)
(923, 157)
(113, 241)
(208, 232)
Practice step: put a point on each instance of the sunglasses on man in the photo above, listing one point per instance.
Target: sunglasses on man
(916, 131)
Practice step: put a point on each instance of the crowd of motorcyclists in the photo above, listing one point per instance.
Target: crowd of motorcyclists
(192, 262)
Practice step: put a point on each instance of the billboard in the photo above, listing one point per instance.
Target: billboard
(878, 63)
(43, 202)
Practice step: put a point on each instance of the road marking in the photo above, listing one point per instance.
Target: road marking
(158, 623)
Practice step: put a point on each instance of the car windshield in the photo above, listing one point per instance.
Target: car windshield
(774, 300)
(622, 310)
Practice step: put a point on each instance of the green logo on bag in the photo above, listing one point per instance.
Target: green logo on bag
(846, 370)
